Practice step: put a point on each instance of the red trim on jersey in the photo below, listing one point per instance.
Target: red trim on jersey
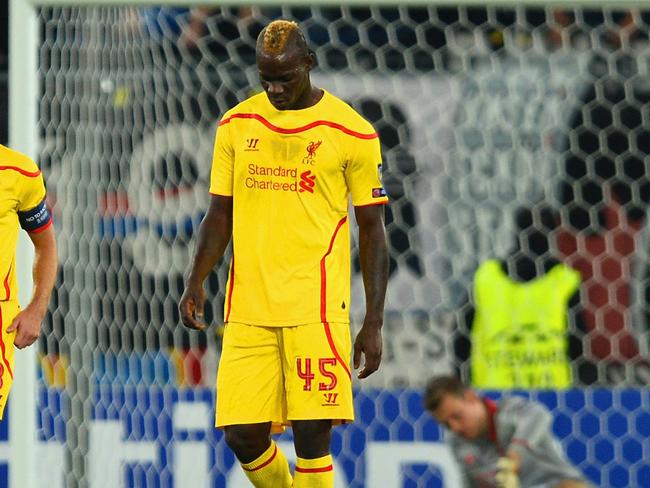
(2, 346)
(6, 283)
(335, 351)
(296, 130)
(383, 202)
(323, 298)
(22, 171)
(232, 285)
(492, 408)
(43, 227)
(324, 469)
(323, 272)
(265, 463)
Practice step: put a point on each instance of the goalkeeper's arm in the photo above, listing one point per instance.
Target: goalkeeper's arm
(532, 424)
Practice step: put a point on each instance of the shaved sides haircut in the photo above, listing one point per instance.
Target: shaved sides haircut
(280, 35)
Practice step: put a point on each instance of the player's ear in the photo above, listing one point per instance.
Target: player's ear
(311, 59)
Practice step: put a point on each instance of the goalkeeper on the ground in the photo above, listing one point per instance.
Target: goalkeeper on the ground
(504, 444)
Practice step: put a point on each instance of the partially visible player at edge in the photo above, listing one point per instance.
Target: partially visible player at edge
(507, 443)
(22, 204)
(285, 163)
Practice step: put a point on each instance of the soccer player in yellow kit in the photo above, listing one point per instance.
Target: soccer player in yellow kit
(286, 162)
(22, 204)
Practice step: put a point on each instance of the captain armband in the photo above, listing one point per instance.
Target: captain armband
(36, 219)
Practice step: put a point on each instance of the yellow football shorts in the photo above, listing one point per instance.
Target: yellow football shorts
(280, 374)
(8, 311)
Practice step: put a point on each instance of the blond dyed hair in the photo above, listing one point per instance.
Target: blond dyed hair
(276, 36)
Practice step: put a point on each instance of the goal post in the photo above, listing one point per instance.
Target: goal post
(467, 97)
(23, 96)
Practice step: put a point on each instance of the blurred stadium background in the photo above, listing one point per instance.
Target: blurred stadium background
(481, 110)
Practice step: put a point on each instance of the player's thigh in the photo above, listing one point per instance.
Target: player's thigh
(8, 311)
(249, 378)
(316, 360)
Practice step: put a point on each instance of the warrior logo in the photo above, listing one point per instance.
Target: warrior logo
(251, 144)
(330, 399)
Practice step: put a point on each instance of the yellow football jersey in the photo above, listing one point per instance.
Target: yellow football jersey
(291, 173)
(21, 190)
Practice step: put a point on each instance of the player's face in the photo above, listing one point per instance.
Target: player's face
(465, 416)
(285, 79)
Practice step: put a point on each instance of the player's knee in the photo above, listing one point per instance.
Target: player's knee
(248, 442)
(312, 438)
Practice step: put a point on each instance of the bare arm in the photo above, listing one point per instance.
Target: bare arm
(27, 323)
(214, 235)
(373, 255)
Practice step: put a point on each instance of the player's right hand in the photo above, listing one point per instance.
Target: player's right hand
(27, 326)
(191, 307)
(507, 473)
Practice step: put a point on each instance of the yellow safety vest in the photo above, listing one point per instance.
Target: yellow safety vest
(519, 334)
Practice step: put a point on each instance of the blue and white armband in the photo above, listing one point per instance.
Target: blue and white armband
(36, 219)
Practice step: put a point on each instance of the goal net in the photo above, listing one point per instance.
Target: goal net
(490, 118)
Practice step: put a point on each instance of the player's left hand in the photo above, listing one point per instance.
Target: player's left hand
(368, 342)
(27, 326)
(507, 473)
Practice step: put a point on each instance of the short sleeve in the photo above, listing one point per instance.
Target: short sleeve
(221, 176)
(32, 191)
(363, 173)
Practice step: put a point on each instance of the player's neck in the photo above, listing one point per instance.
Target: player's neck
(316, 95)
(312, 96)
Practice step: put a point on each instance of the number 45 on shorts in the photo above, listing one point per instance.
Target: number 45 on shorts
(325, 366)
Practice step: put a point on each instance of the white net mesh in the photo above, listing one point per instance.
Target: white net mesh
(482, 112)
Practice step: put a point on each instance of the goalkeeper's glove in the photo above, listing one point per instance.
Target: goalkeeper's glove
(507, 473)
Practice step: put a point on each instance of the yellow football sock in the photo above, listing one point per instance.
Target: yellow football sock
(314, 473)
(270, 470)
